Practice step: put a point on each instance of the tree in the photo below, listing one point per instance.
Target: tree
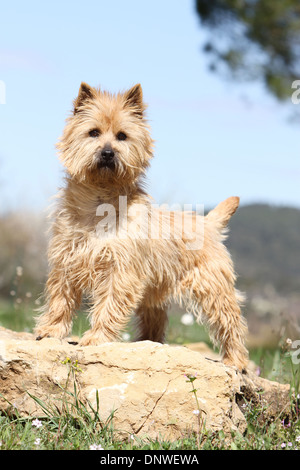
(254, 39)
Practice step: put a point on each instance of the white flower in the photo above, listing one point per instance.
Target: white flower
(37, 441)
(297, 439)
(126, 336)
(37, 423)
(187, 319)
(96, 447)
(196, 412)
(19, 270)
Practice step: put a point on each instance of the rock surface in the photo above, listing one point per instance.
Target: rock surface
(144, 384)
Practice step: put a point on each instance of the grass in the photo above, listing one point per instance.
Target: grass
(77, 426)
(20, 317)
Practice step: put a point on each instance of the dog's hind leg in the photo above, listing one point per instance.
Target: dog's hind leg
(213, 294)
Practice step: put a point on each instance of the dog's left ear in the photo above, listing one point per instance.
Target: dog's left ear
(134, 100)
(85, 93)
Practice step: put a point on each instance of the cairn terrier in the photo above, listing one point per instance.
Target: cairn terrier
(101, 244)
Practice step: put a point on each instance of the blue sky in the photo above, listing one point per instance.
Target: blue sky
(213, 138)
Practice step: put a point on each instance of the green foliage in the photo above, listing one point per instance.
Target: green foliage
(254, 39)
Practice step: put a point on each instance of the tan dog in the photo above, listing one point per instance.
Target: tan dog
(102, 246)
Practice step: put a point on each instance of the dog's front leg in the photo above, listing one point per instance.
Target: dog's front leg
(62, 300)
(116, 295)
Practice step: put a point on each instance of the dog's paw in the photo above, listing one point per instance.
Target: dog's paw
(39, 337)
(91, 339)
(51, 331)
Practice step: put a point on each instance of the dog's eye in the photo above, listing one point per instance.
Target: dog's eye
(121, 136)
(94, 133)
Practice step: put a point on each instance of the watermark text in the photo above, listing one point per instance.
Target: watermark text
(145, 221)
(2, 92)
(296, 95)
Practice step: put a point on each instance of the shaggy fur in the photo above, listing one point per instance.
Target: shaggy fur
(132, 273)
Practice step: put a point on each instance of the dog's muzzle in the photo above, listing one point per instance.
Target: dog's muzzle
(106, 158)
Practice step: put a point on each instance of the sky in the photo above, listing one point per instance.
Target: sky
(213, 138)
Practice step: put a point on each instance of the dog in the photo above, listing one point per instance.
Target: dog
(100, 244)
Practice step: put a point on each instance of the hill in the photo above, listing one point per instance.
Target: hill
(265, 245)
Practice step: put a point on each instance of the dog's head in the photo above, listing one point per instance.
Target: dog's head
(106, 140)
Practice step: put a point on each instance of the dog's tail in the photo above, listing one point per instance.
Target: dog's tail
(222, 213)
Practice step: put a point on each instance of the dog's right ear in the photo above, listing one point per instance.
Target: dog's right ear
(85, 93)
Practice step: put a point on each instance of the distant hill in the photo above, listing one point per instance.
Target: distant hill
(265, 244)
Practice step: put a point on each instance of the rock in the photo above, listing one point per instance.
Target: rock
(204, 349)
(208, 353)
(143, 383)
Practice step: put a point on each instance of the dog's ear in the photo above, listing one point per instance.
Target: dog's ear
(134, 100)
(85, 93)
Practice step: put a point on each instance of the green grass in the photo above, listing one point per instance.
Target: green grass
(21, 318)
(77, 425)
(17, 317)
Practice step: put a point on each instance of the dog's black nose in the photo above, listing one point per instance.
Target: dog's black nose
(107, 154)
(106, 158)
